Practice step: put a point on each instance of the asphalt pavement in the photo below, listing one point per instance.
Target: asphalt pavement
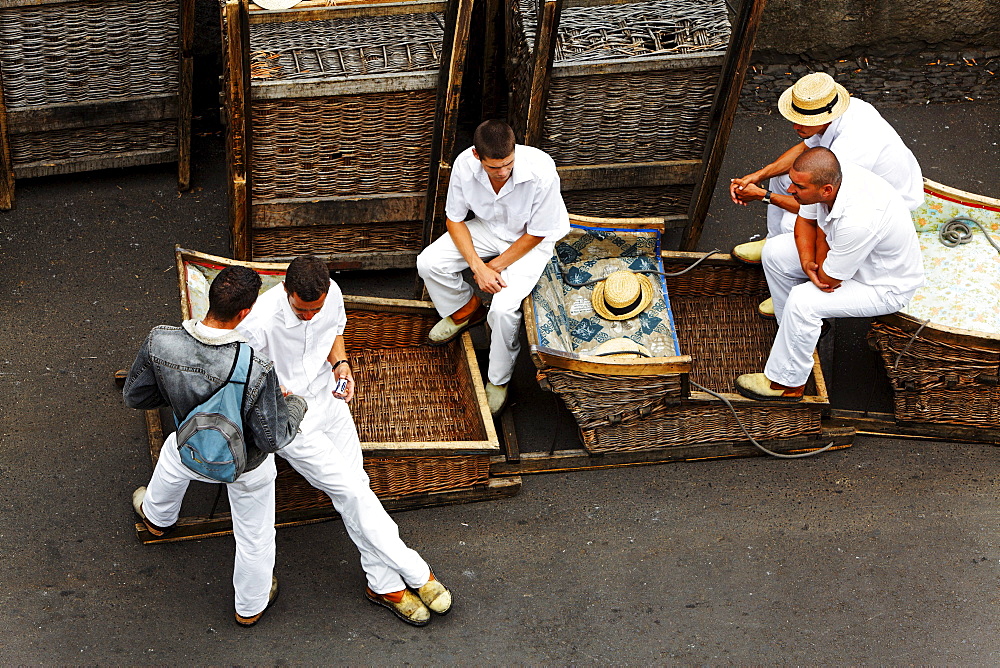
(886, 552)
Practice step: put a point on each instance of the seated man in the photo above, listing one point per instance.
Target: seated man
(854, 254)
(823, 114)
(519, 215)
(300, 325)
(182, 367)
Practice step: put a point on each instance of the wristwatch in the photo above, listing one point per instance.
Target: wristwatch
(767, 197)
(339, 362)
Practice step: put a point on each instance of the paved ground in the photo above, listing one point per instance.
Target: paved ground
(884, 553)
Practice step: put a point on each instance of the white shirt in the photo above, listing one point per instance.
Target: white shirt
(298, 348)
(528, 203)
(863, 137)
(871, 234)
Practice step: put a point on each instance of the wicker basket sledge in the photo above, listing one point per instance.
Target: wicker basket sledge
(92, 84)
(648, 404)
(620, 95)
(333, 128)
(425, 446)
(942, 355)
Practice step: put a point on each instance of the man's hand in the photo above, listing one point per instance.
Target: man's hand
(812, 271)
(489, 280)
(750, 193)
(344, 371)
(737, 187)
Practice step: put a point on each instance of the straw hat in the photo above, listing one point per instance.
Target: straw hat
(621, 347)
(814, 99)
(276, 4)
(622, 295)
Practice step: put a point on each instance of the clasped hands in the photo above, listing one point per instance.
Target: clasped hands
(488, 278)
(745, 190)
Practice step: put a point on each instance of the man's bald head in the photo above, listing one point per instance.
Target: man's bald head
(821, 165)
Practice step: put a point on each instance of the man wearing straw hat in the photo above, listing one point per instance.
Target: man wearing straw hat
(300, 326)
(823, 113)
(513, 191)
(854, 254)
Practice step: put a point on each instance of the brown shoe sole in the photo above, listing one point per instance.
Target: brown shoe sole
(759, 397)
(247, 622)
(386, 604)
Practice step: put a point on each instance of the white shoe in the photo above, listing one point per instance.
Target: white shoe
(435, 596)
(158, 531)
(766, 309)
(447, 329)
(750, 252)
(496, 397)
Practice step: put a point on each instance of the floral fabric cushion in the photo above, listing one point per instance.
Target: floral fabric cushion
(564, 315)
(199, 277)
(962, 284)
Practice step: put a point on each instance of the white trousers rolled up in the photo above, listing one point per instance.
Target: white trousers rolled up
(440, 265)
(327, 453)
(800, 308)
(779, 221)
(251, 501)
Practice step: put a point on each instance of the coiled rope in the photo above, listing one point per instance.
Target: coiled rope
(957, 232)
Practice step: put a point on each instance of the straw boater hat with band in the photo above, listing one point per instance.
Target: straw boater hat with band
(276, 4)
(620, 348)
(815, 99)
(622, 295)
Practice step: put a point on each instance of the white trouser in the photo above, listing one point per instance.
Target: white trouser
(800, 308)
(327, 452)
(251, 501)
(779, 221)
(440, 265)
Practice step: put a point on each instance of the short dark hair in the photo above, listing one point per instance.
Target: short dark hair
(308, 277)
(821, 164)
(494, 140)
(234, 289)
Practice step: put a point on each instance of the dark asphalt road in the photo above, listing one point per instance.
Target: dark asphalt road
(884, 553)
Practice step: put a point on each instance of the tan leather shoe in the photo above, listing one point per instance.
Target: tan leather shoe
(750, 252)
(447, 329)
(496, 397)
(404, 604)
(766, 309)
(158, 531)
(271, 598)
(758, 387)
(435, 596)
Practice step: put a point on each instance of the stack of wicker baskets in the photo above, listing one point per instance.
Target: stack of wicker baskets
(620, 96)
(90, 84)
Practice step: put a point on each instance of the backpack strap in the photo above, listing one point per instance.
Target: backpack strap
(239, 373)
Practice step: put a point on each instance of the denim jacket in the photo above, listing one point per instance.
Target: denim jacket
(181, 368)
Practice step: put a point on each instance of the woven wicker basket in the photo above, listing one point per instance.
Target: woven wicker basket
(716, 324)
(939, 375)
(420, 411)
(89, 84)
(341, 107)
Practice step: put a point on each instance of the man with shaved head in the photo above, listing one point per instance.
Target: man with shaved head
(853, 254)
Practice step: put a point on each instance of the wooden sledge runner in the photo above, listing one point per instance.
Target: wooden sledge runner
(428, 448)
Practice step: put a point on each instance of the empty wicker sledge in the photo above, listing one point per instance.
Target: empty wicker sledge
(337, 117)
(702, 328)
(942, 354)
(424, 446)
(92, 84)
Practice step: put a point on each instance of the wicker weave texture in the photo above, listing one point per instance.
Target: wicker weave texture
(414, 395)
(346, 47)
(93, 142)
(630, 202)
(689, 424)
(334, 239)
(635, 117)
(384, 328)
(343, 145)
(89, 50)
(389, 476)
(598, 400)
(937, 382)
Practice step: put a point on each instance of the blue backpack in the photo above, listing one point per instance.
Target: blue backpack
(210, 438)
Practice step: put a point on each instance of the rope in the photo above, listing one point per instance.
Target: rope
(648, 271)
(779, 455)
(957, 232)
(923, 323)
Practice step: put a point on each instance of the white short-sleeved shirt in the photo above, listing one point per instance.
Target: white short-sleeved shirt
(528, 203)
(871, 234)
(298, 348)
(863, 137)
